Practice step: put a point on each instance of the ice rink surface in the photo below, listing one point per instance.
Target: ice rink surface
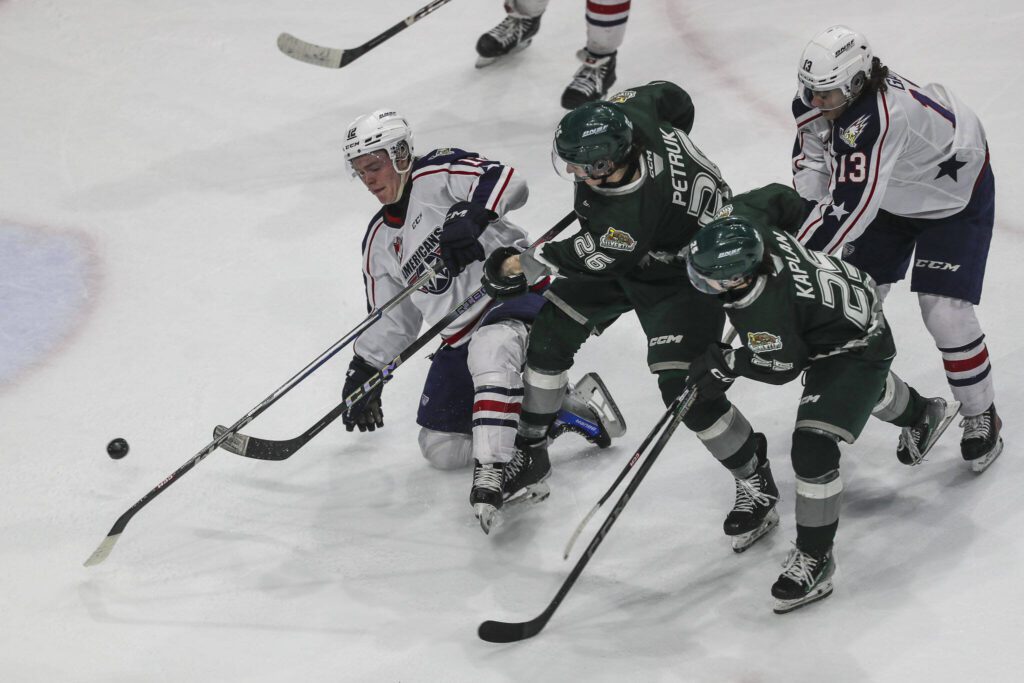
(178, 237)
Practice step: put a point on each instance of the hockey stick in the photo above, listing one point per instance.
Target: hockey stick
(509, 632)
(104, 548)
(727, 338)
(334, 58)
(268, 449)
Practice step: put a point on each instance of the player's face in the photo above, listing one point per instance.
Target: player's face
(831, 103)
(379, 175)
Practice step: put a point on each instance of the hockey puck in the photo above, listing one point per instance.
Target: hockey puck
(117, 448)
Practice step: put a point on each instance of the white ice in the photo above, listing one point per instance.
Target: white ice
(178, 237)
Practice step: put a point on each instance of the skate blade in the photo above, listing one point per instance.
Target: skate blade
(600, 400)
(981, 464)
(820, 592)
(528, 495)
(482, 62)
(744, 541)
(918, 457)
(488, 516)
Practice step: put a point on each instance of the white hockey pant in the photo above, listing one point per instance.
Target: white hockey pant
(496, 356)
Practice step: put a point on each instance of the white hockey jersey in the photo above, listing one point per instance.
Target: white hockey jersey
(911, 151)
(395, 249)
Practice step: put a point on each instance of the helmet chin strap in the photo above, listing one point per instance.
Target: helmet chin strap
(403, 177)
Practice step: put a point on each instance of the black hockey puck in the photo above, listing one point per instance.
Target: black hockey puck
(117, 449)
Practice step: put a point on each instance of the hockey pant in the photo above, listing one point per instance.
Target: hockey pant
(606, 21)
(494, 357)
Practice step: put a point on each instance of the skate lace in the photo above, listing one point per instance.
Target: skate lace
(488, 478)
(589, 78)
(509, 30)
(749, 494)
(799, 567)
(977, 426)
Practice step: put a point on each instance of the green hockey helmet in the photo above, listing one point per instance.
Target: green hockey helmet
(592, 141)
(724, 254)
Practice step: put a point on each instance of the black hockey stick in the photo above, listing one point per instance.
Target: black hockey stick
(509, 632)
(727, 338)
(268, 449)
(334, 58)
(104, 548)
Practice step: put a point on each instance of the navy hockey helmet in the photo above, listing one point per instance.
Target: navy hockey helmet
(592, 141)
(724, 254)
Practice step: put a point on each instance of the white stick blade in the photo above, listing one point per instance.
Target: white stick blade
(308, 52)
(102, 551)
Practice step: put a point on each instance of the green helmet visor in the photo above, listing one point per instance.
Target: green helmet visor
(578, 171)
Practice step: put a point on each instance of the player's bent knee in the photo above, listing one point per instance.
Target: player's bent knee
(703, 413)
(814, 453)
(446, 450)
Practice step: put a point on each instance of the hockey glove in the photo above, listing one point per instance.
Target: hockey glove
(460, 235)
(711, 374)
(500, 286)
(366, 413)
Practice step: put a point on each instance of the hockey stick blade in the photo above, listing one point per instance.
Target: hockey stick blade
(328, 57)
(513, 632)
(259, 449)
(333, 58)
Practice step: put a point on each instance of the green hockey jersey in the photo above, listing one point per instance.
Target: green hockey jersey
(811, 306)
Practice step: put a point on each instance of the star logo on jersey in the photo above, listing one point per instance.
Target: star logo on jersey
(850, 134)
(949, 167)
(837, 211)
(618, 240)
(397, 246)
(762, 342)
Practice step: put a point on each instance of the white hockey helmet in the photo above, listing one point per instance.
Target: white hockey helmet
(384, 129)
(836, 58)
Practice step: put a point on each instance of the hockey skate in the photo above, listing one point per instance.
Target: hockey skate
(805, 578)
(590, 411)
(497, 487)
(917, 439)
(753, 514)
(513, 34)
(981, 443)
(591, 81)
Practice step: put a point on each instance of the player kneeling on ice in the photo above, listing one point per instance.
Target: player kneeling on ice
(451, 205)
(799, 311)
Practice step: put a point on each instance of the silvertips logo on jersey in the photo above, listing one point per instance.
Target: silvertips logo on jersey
(619, 240)
(415, 267)
(762, 342)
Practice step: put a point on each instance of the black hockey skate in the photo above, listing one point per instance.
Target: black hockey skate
(498, 486)
(513, 34)
(589, 410)
(591, 81)
(753, 514)
(806, 578)
(917, 439)
(981, 443)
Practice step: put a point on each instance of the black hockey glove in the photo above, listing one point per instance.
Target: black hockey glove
(498, 286)
(365, 413)
(711, 374)
(460, 235)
